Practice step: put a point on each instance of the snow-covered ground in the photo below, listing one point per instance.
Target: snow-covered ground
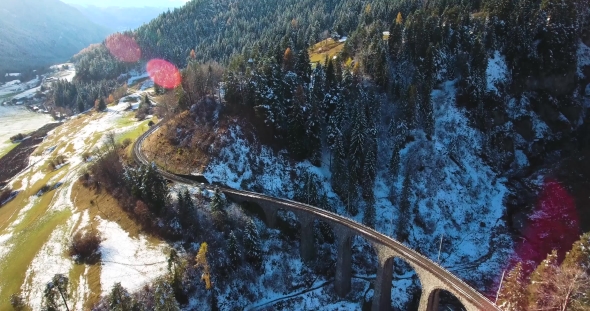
(133, 261)
(583, 57)
(130, 261)
(16, 120)
(496, 72)
(454, 194)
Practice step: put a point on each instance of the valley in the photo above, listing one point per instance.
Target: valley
(303, 155)
(35, 227)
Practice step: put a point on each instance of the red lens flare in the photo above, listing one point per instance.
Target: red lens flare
(123, 48)
(553, 226)
(163, 73)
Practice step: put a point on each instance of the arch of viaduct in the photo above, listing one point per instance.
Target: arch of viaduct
(432, 276)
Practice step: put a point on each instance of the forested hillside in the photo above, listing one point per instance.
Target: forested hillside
(43, 32)
(464, 121)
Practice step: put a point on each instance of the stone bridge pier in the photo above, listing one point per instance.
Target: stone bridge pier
(431, 284)
(343, 278)
(430, 275)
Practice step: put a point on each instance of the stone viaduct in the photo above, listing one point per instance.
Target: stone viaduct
(433, 277)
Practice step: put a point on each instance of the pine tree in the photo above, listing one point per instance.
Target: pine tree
(154, 188)
(119, 299)
(358, 142)
(369, 216)
(330, 75)
(579, 255)
(185, 201)
(145, 102)
(102, 106)
(512, 296)
(370, 160)
(164, 296)
(314, 134)
(403, 223)
(297, 125)
(395, 160)
(181, 98)
(80, 104)
(252, 244)
(235, 257)
(539, 289)
(217, 202)
(302, 66)
(56, 293)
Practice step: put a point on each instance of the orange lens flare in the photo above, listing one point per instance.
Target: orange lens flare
(163, 73)
(123, 47)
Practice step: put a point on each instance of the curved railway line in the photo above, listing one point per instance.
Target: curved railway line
(433, 277)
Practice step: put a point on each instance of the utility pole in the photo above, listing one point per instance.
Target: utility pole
(439, 247)
(500, 287)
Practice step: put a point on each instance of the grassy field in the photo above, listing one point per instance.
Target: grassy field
(28, 222)
(10, 146)
(328, 47)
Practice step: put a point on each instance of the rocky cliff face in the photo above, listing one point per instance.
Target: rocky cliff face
(545, 134)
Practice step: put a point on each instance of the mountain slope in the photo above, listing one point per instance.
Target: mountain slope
(42, 32)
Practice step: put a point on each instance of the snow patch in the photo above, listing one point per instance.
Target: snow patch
(497, 71)
(583, 58)
(133, 262)
(50, 260)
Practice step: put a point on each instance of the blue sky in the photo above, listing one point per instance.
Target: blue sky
(129, 3)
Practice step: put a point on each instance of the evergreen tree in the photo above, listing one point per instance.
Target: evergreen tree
(358, 140)
(102, 106)
(234, 254)
(297, 125)
(403, 223)
(56, 293)
(148, 185)
(369, 216)
(512, 296)
(217, 202)
(185, 201)
(119, 299)
(395, 159)
(330, 75)
(302, 66)
(579, 255)
(154, 188)
(370, 160)
(539, 290)
(313, 137)
(183, 102)
(164, 296)
(80, 104)
(253, 250)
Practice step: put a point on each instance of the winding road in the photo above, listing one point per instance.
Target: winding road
(437, 276)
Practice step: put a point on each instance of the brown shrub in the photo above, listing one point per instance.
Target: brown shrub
(142, 212)
(108, 170)
(86, 246)
(17, 302)
(125, 143)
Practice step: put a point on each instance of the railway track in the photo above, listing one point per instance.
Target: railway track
(452, 282)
